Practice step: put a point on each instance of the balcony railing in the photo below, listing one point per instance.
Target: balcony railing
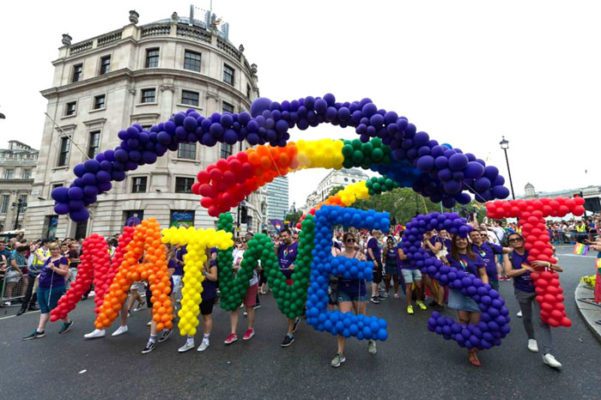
(193, 32)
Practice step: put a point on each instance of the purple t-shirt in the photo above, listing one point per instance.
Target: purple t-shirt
(392, 257)
(467, 264)
(286, 257)
(523, 282)
(372, 244)
(487, 251)
(209, 288)
(49, 278)
(179, 256)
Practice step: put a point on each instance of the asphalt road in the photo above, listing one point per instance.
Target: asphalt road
(412, 363)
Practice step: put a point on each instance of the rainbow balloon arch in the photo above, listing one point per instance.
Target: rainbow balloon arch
(388, 144)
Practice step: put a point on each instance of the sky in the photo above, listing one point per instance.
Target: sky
(466, 72)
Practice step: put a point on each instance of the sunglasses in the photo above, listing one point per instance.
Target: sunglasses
(515, 240)
(350, 240)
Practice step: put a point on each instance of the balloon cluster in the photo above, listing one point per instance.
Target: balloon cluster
(226, 183)
(364, 155)
(145, 244)
(94, 266)
(379, 185)
(445, 172)
(401, 172)
(550, 297)
(494, 319)
(233, 289)
(197, 242)
(102, 287)
(348, 195)
(324, 265)
(322, 153)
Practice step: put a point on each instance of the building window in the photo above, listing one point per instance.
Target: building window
(183, 185)
(93, 144)
(227, 108)
(181, 218)
(26, 174)
(70, 108)
(139, 184)
(190, 98)
(248, 92)
(152, 58)
(50, 225)
(63, 155)
(23, 198)
(226, 150)
(149, 95)
(4, 204)
(81, 230)
(99, 101)
(187, 151)
(57, 185)
(192, 61)
(77, 72)
(228, 74)
(9, 173)
(139, 214)
(105, 64)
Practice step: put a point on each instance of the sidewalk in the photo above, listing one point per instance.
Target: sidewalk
(588, 310)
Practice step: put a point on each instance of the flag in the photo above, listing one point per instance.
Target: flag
(598, 282)
(580, 249)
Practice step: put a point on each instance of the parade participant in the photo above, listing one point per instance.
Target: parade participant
(488, 251)
(37, 255)
(286, 252)
(178, 255)
(154, 335)
(463, 258)
(517, 267)
(435, 246)
(209, 294)
(374, 254)
(51, 288)
(412, 277)
(391, 265)
(249, 300)
(16, 271)
(74, 261)
(352, 297)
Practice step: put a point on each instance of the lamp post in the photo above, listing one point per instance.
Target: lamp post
(505, 145)
(20, 204)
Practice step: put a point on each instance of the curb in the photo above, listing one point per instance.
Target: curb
(588, 311)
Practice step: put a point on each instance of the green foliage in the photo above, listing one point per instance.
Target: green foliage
(293, 217)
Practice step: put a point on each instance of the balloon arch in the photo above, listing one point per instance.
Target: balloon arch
(388, 144)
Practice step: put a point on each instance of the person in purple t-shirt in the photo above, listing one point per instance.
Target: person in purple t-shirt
(517, 267)
(468, 312)
(374, 254)
(488, 251)
(286, 252)
(51, 286)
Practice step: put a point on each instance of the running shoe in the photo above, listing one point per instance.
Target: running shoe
(519, 314)
(186, 347)
(166, 334)
(150, 346)
(95, 334)
(421, 305)
(66, 327)
(120, 331)
(410, 310)
(375, 299)
(35, 335)
(371, 347)
(532, 345)
(249, 334)
(231, 338)
(204, 345)
(549, 360)
(338, 360)
(288, 340)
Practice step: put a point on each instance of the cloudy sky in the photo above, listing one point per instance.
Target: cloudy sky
(466, 72)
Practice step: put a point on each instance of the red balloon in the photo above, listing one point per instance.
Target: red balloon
(203, 177)
(207, 190)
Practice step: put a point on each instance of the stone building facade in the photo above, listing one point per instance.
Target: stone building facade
(137, 74)
(17, 166)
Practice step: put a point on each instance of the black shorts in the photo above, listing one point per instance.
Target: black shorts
(149, 295)
(206, 306)
(377, 272)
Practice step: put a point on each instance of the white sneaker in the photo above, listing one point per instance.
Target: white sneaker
(92, 294)
(204, 345)
(396, 296)
(551, 361)
(96, 333)
(120, 331)
(149, 323)
(519, 314)
(371, 347)
(188, 346)
(532, 345)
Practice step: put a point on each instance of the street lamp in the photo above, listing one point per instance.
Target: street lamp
(505, 145)
(20, 204)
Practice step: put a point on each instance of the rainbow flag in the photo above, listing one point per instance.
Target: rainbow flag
(580, 249)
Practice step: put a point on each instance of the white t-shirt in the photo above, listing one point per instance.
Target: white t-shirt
(238, 257)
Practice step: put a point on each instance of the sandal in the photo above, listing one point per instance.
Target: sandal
(473, 358)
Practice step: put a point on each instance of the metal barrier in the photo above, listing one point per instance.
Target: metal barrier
(13, 286)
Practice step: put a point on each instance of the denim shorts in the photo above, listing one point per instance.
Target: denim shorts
(459, 302)
(48, 298)
(411, 275)
(356, 297)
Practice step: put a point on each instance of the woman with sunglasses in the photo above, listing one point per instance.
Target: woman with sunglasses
(463, 258)
(517, 267)
(391, 267)
(51, 286)
(352, 297)
(488, 251)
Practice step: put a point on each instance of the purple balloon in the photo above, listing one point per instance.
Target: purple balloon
(441, 162)
(61, 208)
(425, 163)
(149, 157)
(79, 215)
(190, 124)
(103, 176)
(118, 176)
(90, 191)
(89, 179)
(259, 105)
(457, 162)
(474, 170)
(230, 136)
(104, 186)
(482, 185)
(121, 155)
(75, 193)
(75, 205)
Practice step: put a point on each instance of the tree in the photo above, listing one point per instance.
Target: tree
(335, 190)
(292, 217)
